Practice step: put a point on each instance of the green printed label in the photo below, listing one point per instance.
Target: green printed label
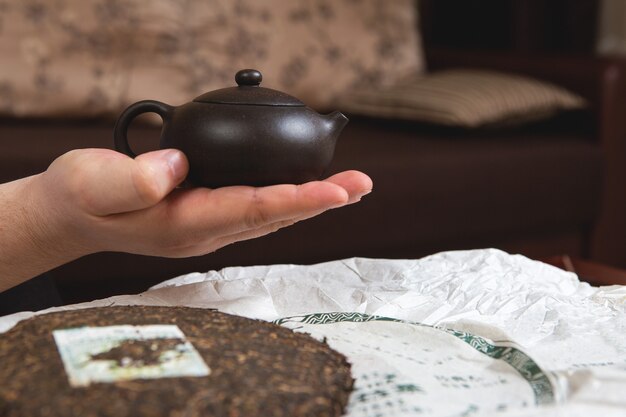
(404, 368)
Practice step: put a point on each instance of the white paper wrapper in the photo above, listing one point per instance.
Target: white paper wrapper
(454, 334)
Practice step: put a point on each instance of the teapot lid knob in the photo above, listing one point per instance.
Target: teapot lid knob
(250, 77)
(248, 92)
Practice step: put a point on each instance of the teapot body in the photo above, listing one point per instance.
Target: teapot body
(244, 135)
(260, 146)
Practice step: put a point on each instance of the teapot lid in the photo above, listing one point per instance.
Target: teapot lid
(248, 92)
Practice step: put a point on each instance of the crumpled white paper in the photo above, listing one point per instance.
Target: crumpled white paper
(574, 333)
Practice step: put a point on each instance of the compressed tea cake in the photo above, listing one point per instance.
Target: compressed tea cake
(166, 361)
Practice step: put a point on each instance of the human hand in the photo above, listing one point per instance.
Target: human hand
(100, 200)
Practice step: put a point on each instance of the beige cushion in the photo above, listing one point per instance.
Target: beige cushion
(80, 57)
(464, 98)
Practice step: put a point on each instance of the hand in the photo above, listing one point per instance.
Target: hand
(95, 200)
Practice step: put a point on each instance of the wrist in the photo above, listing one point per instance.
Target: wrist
(55, 224)
(35, 236)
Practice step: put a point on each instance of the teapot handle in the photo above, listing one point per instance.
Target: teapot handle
(121, 126)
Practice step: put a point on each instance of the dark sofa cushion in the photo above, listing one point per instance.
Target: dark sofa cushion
(433, 190)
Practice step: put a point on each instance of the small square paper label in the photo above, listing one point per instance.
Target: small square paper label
(121, 353)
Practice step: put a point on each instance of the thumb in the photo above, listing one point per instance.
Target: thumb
(115, 183)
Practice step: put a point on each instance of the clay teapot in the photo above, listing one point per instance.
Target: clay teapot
(244, 135)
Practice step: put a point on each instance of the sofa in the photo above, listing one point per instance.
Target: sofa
(535, 189)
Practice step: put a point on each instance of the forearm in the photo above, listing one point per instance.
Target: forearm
(31, 239)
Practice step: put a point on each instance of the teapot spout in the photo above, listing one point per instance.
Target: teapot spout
(335, 122)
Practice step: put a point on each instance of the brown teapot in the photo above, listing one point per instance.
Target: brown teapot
(244, 135)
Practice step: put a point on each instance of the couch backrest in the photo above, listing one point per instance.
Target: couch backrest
(89, 58)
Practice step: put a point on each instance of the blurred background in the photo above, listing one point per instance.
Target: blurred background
(483, 123)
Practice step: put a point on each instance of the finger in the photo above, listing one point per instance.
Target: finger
(230, 210)
(262, 231)
(355, 183)
(211, 245)
(251, 234)
(110, 182)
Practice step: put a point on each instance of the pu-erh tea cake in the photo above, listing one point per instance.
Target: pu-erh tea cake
(162, 361)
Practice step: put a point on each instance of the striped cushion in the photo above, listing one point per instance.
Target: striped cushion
(465, 98)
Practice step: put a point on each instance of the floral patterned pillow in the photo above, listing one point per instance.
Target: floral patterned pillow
(85, 58)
